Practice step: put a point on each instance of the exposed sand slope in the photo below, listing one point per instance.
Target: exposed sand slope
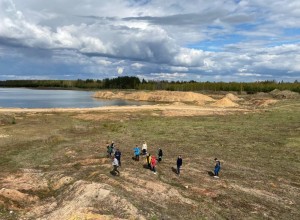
(233, 97)
(156, 96)
(225, 102)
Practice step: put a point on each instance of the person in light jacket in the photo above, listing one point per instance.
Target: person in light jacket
(144, 148)
(148, 160)
(115, 165)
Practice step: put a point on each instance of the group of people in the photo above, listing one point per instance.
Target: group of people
(151, 160)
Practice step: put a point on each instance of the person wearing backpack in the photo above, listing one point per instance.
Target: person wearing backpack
(217, 168)
(118, 156)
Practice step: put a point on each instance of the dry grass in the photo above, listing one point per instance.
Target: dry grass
(65, 152)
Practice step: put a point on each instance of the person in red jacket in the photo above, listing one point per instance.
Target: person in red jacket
(153, 164)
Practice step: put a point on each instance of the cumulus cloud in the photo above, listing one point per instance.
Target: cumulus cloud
(155, 39)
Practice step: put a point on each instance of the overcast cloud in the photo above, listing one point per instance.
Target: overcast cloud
(221, 40)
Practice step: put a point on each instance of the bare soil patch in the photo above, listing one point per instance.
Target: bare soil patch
(225, 102)
(156, 96)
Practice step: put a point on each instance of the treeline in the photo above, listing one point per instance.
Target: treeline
(131, 82)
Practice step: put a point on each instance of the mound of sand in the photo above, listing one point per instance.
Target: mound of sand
(233, 97)
(285, 94)
(224, 102)
(155, 96)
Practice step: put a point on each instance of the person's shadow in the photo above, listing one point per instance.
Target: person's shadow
(174, 170)
(145, 166)
(114, 173)
(210, 173)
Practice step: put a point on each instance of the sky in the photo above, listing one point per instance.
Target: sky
(201, 40)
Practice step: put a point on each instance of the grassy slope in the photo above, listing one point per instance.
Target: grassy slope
(260, 157)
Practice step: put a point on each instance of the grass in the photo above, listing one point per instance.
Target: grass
(259, 152)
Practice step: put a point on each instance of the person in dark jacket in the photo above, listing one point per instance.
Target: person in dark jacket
(217, 168)
(160, 154)
(118, 156)
(179, 164)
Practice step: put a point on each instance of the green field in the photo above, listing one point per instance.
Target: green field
(259, 154)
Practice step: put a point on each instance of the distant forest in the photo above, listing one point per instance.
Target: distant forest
(131, 82)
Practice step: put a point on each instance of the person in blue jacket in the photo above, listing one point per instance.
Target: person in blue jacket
(137, 153)
(217, 168)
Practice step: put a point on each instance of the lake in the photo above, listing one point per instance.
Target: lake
(37, 98)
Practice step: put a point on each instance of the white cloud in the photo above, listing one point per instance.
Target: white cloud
(179, 68)
(157, 36)
(137, 65)
(120, 70)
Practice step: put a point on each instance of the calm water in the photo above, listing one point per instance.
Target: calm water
(33, 98)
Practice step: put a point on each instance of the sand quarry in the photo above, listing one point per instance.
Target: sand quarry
(173, 103)
(78, 198)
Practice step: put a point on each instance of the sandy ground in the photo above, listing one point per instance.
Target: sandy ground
(168, 110)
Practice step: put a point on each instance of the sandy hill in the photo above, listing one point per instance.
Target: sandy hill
(156, 96)
(224, 102)
(233, 97)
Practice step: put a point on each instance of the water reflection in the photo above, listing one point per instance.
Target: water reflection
(34, 98)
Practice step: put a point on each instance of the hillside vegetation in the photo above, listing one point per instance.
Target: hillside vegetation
(132, 82)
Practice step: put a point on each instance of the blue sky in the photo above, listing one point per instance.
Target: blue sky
(220, 40)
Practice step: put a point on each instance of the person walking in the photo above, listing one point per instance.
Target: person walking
(112, 146)
(107, 147)
(137, 153)
(160, 154)
(118, 156)
(144, 148)
(217, 168)
(148, 159)
(179, 164)
(153, 164)
(109, 150)
(115, 165)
